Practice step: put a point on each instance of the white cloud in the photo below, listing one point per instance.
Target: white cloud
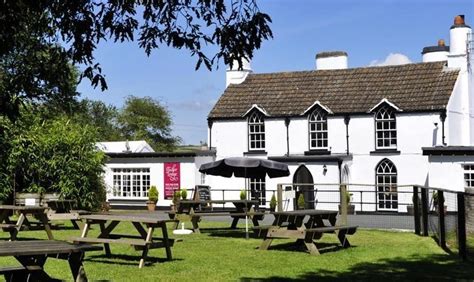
(392, 59)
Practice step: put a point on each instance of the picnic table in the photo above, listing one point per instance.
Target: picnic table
(22, 223)
(305, 226)
(32, 256)
(144, 224)
(63, 209)
(193, 210)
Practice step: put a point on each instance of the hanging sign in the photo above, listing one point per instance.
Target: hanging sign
(171, 175)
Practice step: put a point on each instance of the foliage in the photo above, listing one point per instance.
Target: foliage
(300, 202)
(347, 197)
(146, 119)
(184, 194)
(54, 156)
(101, 116)
(153, 194)
(273, 202)
(176, 196)
(32, 33)
(243, 195)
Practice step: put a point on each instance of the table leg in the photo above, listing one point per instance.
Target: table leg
(140, 229)
(74, 224)
(103, 234)
(341, 235)
(44, 219)
(148, 239)
(234, 222)
(255, 221)
(311, 246)
(195, 222)
(19, 224)
(85, 229)
(77, 269)
(266, 244)
(166, 241)
(34, 266)
(4, 216)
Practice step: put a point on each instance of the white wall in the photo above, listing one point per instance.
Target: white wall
(448, 172)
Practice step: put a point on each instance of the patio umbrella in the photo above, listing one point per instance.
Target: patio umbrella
(246, 168)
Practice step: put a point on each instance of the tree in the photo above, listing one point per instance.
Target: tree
(54, 155)
(146, 119)
(69, 32)
(101, 116)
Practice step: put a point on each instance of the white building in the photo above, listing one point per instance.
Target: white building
(365, 125)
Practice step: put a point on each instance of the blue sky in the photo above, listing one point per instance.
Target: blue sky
(368, 30)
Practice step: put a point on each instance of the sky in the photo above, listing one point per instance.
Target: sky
(372, 32)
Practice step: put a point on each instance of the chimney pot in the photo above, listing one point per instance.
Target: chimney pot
(459, 20)
(441, 43)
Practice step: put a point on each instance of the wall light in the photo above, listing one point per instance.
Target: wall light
(325, 169)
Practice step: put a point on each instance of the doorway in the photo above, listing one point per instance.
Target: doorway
(301, 177)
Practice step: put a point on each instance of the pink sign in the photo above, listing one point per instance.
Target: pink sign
(172, 178)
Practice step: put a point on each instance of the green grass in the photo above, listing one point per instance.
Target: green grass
(225, 255)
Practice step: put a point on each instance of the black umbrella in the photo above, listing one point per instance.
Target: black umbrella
(247, 168)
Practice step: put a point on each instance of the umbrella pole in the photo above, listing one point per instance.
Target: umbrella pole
(246, 209)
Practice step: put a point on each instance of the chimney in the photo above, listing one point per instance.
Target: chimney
(435, 53)
(458, 43)
(236, 76)
(331, 60)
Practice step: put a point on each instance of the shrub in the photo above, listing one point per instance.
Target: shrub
(243, 195)
(153, 194)
(301, 201)
(348, 197)
(184, 194)
(176, 196)
(54, 156)
(273, 202)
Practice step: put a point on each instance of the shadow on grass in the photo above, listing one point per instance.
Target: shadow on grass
(121, 259)
(415, 268)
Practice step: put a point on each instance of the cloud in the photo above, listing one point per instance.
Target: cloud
(195, 105)
(391, 59)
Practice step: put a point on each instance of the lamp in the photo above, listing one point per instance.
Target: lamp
(325, 169)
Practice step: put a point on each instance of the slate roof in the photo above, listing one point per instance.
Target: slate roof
(411, 87)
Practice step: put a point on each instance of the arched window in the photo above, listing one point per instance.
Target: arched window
(385, 129)
(318, 130)
(386, 178)
(256, 131)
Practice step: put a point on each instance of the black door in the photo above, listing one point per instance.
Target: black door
(303, 176)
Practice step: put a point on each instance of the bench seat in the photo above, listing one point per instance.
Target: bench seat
(7, 226)
(11, 269)
(131, 242)
(329, 229)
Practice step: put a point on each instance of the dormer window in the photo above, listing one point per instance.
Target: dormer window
(385, 128)
(256, 132)
(318, 130)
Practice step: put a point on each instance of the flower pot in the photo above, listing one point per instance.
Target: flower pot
(272, 209)
(151, 205)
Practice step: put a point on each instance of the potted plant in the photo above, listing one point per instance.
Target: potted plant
(243, 195)
(273, 203)
(184, 194)
(152, 198)
(175, 200)
(350, 208)
(300, 202)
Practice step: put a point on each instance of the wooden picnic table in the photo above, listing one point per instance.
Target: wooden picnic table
(64, 209)
(305, 226)
(32, 256)
(22, 223)
(144, 224)
(193, 210)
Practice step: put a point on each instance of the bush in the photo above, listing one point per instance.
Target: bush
(243, 195)
(53, 156)
(301, 201)
(176, 196)
(153, 194)
(184, 194)
(273, 202)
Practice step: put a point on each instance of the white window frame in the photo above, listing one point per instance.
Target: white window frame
(386, 190)
(385, 128)
(130, 183)
(318, 130)
(256, 132)
(468, 175)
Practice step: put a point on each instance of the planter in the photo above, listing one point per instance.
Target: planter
(151, 205)
(272, 209)
(350, 209)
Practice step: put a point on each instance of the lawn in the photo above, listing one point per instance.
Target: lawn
(225, 255)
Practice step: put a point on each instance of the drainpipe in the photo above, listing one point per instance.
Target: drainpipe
(442, 117)
(209, 124)
(347, 118)
(287, 124)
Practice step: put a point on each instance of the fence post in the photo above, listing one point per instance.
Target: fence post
(441, 220)
(462, 226)
(343, 204)
(424, 210)
(279, 197)
(416, 210)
